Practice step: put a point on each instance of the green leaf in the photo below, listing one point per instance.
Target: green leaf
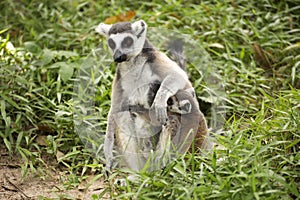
(66, 54)
(9, 100)
(19, 139)
(3, 112)
(4, 30)
(48, 56)
(7, 144)
(66, 71)
(32, 47)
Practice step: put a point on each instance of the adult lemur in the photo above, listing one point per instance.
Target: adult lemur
(153, 108)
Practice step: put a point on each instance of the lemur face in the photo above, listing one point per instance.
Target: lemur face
(124, 39)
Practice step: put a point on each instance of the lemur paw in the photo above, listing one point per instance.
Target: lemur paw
(123, 181)
(107, 171)
(160, 113)
(172, 125)
(108, 167)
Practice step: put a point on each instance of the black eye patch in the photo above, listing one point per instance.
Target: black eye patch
(111, 44)
(127, 42)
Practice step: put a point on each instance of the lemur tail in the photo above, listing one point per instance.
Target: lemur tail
(176, 52)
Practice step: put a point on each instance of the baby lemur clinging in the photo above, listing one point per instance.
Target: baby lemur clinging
(153, 108)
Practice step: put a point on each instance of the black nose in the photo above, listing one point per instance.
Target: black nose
(119, 57)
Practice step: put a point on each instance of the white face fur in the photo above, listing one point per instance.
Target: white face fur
(124, 42)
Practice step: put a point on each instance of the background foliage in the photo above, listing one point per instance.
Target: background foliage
(255, 48)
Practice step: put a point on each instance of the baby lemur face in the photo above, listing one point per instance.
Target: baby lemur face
(124, 39)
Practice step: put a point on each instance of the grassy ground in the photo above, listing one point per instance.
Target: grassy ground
(255, 49)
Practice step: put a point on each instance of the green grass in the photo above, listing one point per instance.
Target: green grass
(253, 46)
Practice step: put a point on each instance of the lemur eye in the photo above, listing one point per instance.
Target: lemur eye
(127, 42)
(111, 43)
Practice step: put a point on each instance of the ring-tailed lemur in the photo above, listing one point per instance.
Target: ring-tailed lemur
(146, 78)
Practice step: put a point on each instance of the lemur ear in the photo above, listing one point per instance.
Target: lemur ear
(139, 28)
(103, 29)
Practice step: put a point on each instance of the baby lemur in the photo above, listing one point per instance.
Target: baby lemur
(153, 108)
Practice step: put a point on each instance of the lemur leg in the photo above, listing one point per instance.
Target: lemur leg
(164, 150)
(128, 141)
(129, 148)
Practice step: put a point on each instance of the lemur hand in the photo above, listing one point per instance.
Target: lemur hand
(107, 168)
(160, 112)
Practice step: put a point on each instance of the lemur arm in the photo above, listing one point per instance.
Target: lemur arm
(109, 141)
(169, 87)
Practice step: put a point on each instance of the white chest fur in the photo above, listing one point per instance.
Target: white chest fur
(135, 82)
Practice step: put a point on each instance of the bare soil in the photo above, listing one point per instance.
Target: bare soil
(48, 184)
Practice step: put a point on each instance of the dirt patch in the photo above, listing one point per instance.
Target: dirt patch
(48, 186)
